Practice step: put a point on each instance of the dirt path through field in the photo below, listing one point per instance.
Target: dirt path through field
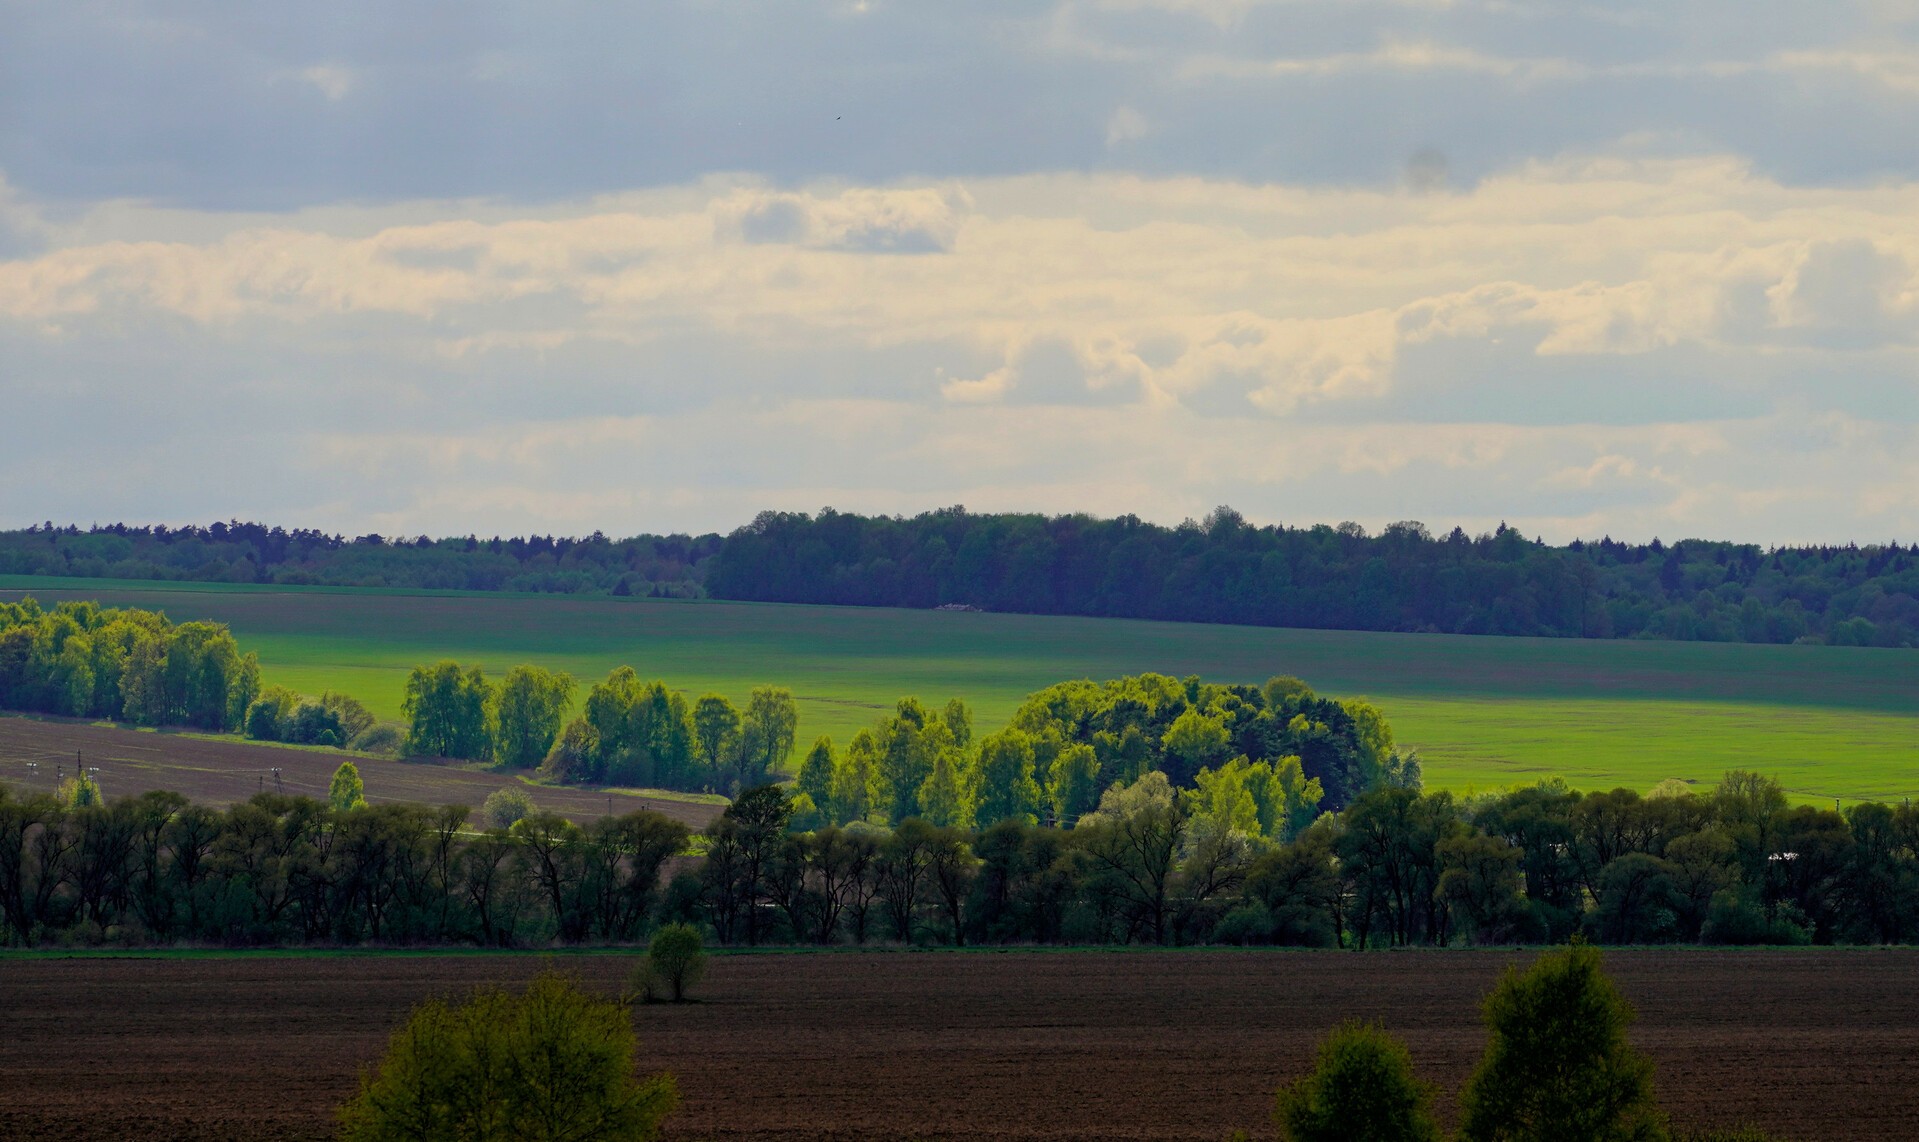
(1020, 1045)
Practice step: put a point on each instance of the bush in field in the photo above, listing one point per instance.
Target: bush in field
(503, 807)
(675, 961)
(346, 791)
(551, 1063)
(1362, 1090)
(383, 738)
(1557, 1066)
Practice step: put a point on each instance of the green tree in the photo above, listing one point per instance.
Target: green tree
(1361, 1090)
(447, 712)
(855, 791)
(816, 773)
(675, 962)
(945, 800)
(346, 791)
(553, 1063)
(1007, 788)
(768, 728)
(1193, 742)
(1557, 1065)
(530, 708)
(716, 727)
(507, 805)
(1074, 786)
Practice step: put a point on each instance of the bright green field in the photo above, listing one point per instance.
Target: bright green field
(1483, 712)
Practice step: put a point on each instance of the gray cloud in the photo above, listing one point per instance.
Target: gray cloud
(1636, 267)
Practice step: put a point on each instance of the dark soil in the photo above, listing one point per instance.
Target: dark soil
(1019, 1045)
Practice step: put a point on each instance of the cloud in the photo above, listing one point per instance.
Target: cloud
(1596, 340)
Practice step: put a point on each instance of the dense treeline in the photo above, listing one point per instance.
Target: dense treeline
(82, 660)
(630, 732)
(1735, 864)
(1225, 570)
(660, 565)
(290, 870)
(1282, 748)
(1399, 867)
(1220, 570)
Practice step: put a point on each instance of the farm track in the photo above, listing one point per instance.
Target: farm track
(223, 772)
(1809, 1044)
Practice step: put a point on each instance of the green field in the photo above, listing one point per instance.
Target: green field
(1483, 712)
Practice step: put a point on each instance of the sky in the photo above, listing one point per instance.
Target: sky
(1632, 268)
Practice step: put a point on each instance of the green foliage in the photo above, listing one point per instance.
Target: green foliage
(1362, 1089)
(530, 709)
(816, 773)
(79, 792)
(552, 1063)
(346, 791)
(1007, 788)
(675, 963)
(506, 806)
(1557, 1064)
(1228, 571)
(448, 711)
(84, 661)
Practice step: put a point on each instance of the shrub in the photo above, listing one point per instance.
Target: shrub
(553, 1062)
(346, 791)
(79, 792)
(1362, 1090)
(354, 718)
(384, 738)
(675, 961)
(1557, 1064)
(507, 805)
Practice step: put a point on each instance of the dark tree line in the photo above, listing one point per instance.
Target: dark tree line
(1221, 570)
(1734, 864)
(1225, 570)
(663, 565)
(155, 869)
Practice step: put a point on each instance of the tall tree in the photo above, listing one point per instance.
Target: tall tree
(448, 712)
(531, 706)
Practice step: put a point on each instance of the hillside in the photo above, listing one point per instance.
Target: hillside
(1829, 721)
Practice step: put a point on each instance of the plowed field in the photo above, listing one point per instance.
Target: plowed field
(215, 772)
(1021, 1045)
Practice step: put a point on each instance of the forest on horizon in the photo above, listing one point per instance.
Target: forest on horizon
(1219, 570)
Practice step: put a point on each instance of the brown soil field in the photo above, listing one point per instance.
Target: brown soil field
(1809, 1044)
(221, 772)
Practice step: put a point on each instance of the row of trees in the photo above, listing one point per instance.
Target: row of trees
(1405, 579)
(1222, 569)
(1275, 755)
(630, 732)
(291, 870)
(82, 660)
(1735, 864)
(666, 565)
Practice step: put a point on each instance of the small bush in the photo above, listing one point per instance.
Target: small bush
(505, 806)
(382, 738)
(1557, 1063)
(551, 1063)
(675, 962)
(346, 791)
(1363, 1090)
